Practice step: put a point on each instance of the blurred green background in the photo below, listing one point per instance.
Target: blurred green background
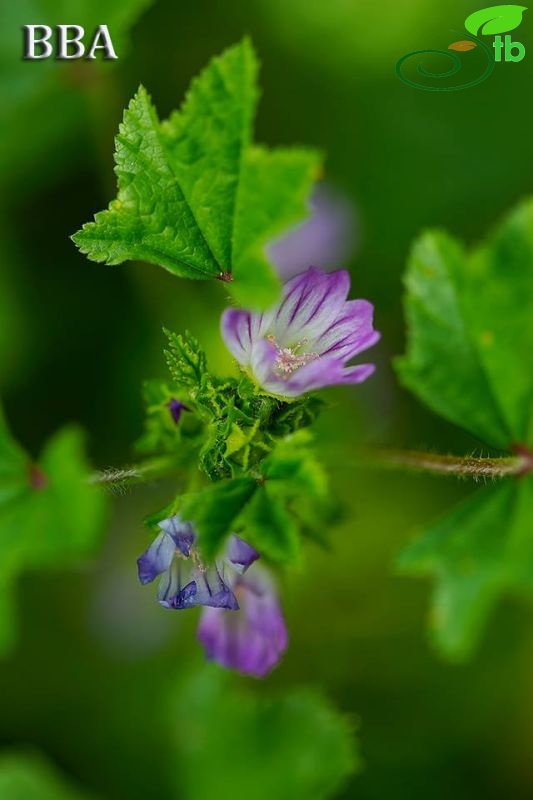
(88, 683)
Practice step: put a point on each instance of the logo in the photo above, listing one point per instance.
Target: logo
(68, 41)
(493, 21)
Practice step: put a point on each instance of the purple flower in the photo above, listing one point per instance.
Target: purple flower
(253, 640)
(304, 342)
(176, 407)
(326, 238)
(185, 581)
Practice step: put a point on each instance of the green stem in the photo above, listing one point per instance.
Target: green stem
(458, 466)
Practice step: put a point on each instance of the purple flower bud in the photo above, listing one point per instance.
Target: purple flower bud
(176, 407)
(253, 639)
(305, 341)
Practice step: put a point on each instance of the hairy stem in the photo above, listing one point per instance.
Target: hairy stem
(459, 466)
(121, 478)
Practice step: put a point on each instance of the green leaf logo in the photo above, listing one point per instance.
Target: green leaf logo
(493, 20)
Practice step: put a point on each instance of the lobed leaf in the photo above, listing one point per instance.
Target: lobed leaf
(470, 335)
(194, 196)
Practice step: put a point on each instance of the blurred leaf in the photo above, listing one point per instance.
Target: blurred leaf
(270, 528)
(193, 195)
(496, 19)
(469, 330)
(51, 91)
(465, 552)
(29, 777)
(478, 552)
(232, 744)
(49, 514)
(469, 350)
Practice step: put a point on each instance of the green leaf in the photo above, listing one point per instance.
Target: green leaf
(49, 514)
(25, 776)
(215, 509)
(270, 528)
(493, 20)
(477, 553)
(236, 744)
(497, 296)
(469, 326)
(194, 195)
(470, 341)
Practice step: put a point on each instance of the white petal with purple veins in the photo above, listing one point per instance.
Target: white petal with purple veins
(305, 341)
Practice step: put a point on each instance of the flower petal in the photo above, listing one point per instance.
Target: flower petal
(187, 587)
(157, 558)
(241, 330)
(181, 532)
(350, 334)
(236, 329)
(240, 554)
(311, 303)
(328, 237)
(325, 372)
(264, 355)
(253, 640)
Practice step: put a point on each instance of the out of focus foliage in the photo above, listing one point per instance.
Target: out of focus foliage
(51, 104)
(470, 318)
(236, 745)
(28, 777)
(49, 514)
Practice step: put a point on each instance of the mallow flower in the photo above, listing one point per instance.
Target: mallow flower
(327, 237)
(185, 582)
(306, 340)
(252, 640)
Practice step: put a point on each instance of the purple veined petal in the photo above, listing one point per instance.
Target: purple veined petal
(171, 583)
(350, 334)
(241, 329)
(327, 237)
(157, 558)
(181, 532)
(253, 640)
(325, 372)
(241, 555)
(176, 407)
(305, 341)
(236, 329)
(213, 590)
(311, 303)
(264, 355)
(185, 586)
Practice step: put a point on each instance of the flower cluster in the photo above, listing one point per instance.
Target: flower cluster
(306, 342)
(254, 637)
